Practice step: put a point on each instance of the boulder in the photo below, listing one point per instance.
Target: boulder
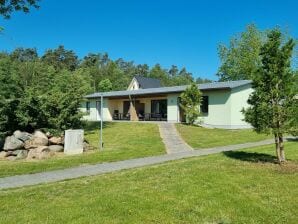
(86, 146)
(39, 134)
(11, 158)
(36, 142)
(23, 136)
(56, 148)
(41, 152)
(22, 154)
(56, 141)
(12, 143)
(4, 154)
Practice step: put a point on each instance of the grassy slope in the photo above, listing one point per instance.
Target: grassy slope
(122, 141)
(199, 137)
(223, 188)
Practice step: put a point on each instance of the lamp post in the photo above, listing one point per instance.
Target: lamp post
(101, 120)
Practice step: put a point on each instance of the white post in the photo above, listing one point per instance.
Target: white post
(101, 119)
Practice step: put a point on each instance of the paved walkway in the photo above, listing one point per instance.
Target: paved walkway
(172, 139)
(89, 170)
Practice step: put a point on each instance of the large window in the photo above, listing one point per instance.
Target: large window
(88, 107)
(159, 108)
(204, 104)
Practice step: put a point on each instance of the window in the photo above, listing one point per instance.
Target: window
(204, 104)
(159, 108)
(88, 107)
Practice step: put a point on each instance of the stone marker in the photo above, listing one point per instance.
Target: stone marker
(73, 142)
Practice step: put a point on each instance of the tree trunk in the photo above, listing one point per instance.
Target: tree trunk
(281, 148)
(277, 147)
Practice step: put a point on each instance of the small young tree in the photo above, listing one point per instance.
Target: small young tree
(190, 103)
(272, 102)
(105, 85)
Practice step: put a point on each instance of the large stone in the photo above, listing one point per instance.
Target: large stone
(12, 143)
(41, 152)
(11, 158)
(22, 154)
(4, 154)
(56, 148)
(40, 134)
(23, 136)
(55, 141)
(36, 142)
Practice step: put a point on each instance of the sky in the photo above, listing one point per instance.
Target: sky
(183, 33)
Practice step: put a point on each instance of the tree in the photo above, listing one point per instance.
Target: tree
(241, 58)
(190, 103)
(9, 6)
(272, 103)
(105, 85)
(61, 58)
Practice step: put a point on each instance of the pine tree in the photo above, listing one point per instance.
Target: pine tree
(273, 101)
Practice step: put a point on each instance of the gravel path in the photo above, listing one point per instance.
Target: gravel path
(172, 139)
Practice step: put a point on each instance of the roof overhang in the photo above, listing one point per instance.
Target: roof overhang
(169, 90)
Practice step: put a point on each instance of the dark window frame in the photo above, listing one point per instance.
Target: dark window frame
(88, 107)
(205, 105)
(162, 113)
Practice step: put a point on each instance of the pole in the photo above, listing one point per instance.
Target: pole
(101, 118)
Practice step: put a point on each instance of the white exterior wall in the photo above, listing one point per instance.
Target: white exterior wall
(173, 108)
(219, 109)
(134, 85)
(239, 99)
(94, 114)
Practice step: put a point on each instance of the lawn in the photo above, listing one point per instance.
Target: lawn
(199, 137)
(233, 187)
(121, 141)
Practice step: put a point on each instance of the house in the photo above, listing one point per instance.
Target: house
(146, 100)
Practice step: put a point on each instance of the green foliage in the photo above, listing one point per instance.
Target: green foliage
(190, 103)
(105, 85)
(61, 58)
(241, 58)
(46, 91)
(9, 6)
(272, 104)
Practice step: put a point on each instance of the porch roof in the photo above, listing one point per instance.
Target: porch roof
(171, 89)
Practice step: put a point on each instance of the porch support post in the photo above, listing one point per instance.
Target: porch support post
(132, 110)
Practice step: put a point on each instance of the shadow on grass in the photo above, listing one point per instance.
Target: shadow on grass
(251, 157)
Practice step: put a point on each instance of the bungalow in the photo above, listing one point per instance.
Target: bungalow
(146, 100)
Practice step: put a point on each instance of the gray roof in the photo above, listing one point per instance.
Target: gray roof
(146, 83)
(172, 89)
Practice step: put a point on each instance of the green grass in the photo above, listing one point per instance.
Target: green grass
(235, 187)
(199, 137)
(121, 141)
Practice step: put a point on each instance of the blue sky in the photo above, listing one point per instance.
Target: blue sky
(185, 33)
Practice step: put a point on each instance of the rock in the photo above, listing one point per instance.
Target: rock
(56, 148)
(86, 146)
(11, 158)
(56, 141)
(40, 134)
(23, 136)
(12, 143)
(49, 135)
(41, 152)
(36, 142)
(22, 154)
(3, 154)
